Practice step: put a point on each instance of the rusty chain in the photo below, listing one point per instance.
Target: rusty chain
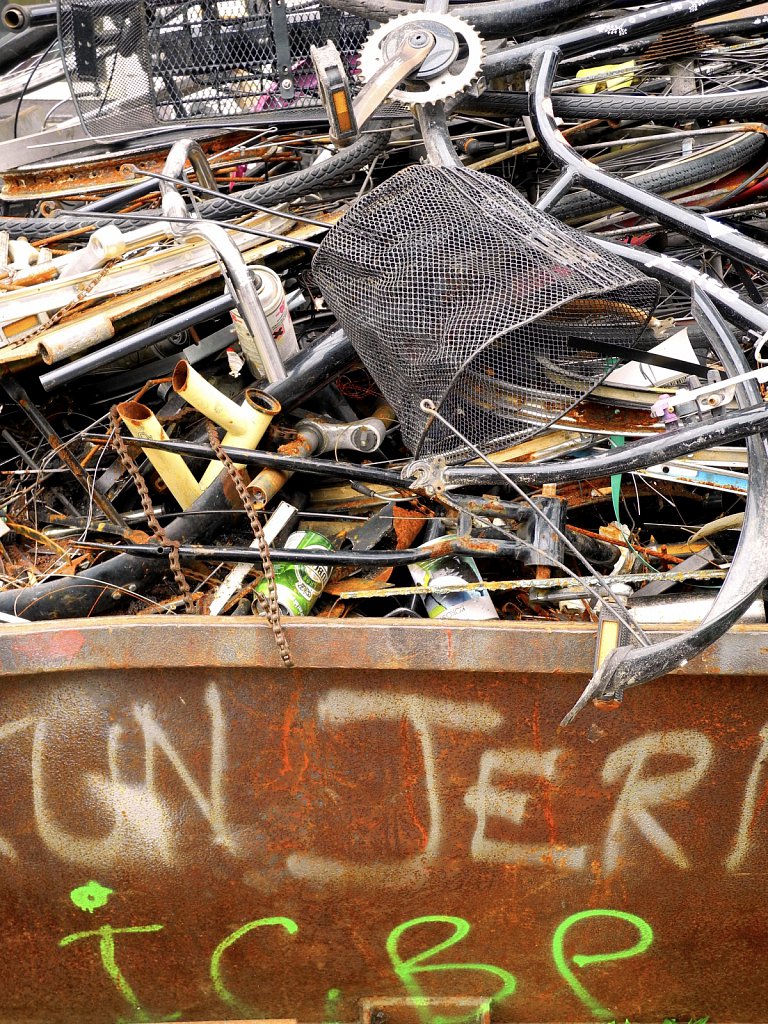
(269, 603)
(129, 464)
(82, 293)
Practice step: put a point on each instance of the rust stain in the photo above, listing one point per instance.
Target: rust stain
(410, 782)
(289, 719)
(546, 785)
(209, 792)
(61, 647)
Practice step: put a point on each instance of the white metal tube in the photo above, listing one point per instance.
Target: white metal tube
(72, 339)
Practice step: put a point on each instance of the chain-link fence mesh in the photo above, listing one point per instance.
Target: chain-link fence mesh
(452, 287)
(138, 64)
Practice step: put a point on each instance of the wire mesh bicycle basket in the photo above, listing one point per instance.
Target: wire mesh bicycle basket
(452, 287)
(139, 64)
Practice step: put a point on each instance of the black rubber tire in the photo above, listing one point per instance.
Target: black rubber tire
(743, 106)
(270, 193)
(706, 166)
(500, 18)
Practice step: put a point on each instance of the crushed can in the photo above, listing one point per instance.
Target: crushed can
(299, 586)
(455, 604)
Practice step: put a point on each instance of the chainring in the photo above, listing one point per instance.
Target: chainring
(448, 82)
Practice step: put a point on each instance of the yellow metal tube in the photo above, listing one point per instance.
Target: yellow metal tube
(171, 468)
(244, 424)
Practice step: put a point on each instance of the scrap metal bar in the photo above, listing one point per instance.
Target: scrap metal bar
(552, 583)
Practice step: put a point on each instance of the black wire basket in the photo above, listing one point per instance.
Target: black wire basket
(453, 288)
(134, 65)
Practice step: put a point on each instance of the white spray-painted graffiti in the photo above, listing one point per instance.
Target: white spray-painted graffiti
(139, 819)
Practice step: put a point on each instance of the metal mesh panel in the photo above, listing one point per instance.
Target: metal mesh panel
(451, 287)
(137, 64)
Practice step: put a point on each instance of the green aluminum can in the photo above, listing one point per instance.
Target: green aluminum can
(299, 586)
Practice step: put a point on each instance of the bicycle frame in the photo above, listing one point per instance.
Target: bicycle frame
(630, 666)
(578, 169)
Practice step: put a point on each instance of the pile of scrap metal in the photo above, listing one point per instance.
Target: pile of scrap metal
(373, 308)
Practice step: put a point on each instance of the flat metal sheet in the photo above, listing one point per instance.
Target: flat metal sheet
(188, 829)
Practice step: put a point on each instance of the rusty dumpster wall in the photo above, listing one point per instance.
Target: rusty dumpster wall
(228, 840)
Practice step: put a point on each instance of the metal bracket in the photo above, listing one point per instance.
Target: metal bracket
(282, 50)
(711, 396)
(426, 475)
(84, 36)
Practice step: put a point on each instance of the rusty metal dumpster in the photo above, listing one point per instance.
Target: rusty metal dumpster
(396, 830)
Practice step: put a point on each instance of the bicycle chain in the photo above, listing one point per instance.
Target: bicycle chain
(269, 602)
(158, 533)
(82, 293)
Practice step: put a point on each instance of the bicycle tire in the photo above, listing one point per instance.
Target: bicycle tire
(706, 166)
(281, 190)
(497, 18)
(743, 105)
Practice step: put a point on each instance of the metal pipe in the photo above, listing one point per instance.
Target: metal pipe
(439, 548)
(244, 424)
(180, 152)
(269, 481)
(715, 234)
(241, 283)
(18, 17)
(136, 342)
(287, 464)
(266, 358)
(171, 468)
(121, 198)
(72, 338)
(433, 126)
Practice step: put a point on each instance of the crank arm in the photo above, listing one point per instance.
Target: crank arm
(346, 116)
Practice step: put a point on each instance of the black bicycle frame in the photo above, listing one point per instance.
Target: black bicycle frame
(629, 666)
(579, 170)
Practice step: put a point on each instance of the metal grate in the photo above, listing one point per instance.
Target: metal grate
(139, 64)
(451, 287)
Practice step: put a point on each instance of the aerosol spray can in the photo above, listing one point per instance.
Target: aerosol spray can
(299, 586)
(272, 298)
(455, 604)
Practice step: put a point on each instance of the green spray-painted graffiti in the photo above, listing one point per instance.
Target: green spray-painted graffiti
(106, 936)
(90, 896)
(218, 984)
(332, 997)
(585, 960)
(406, 970)
(93, 895)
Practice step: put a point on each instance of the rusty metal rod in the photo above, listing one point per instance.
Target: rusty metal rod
(444, 546)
